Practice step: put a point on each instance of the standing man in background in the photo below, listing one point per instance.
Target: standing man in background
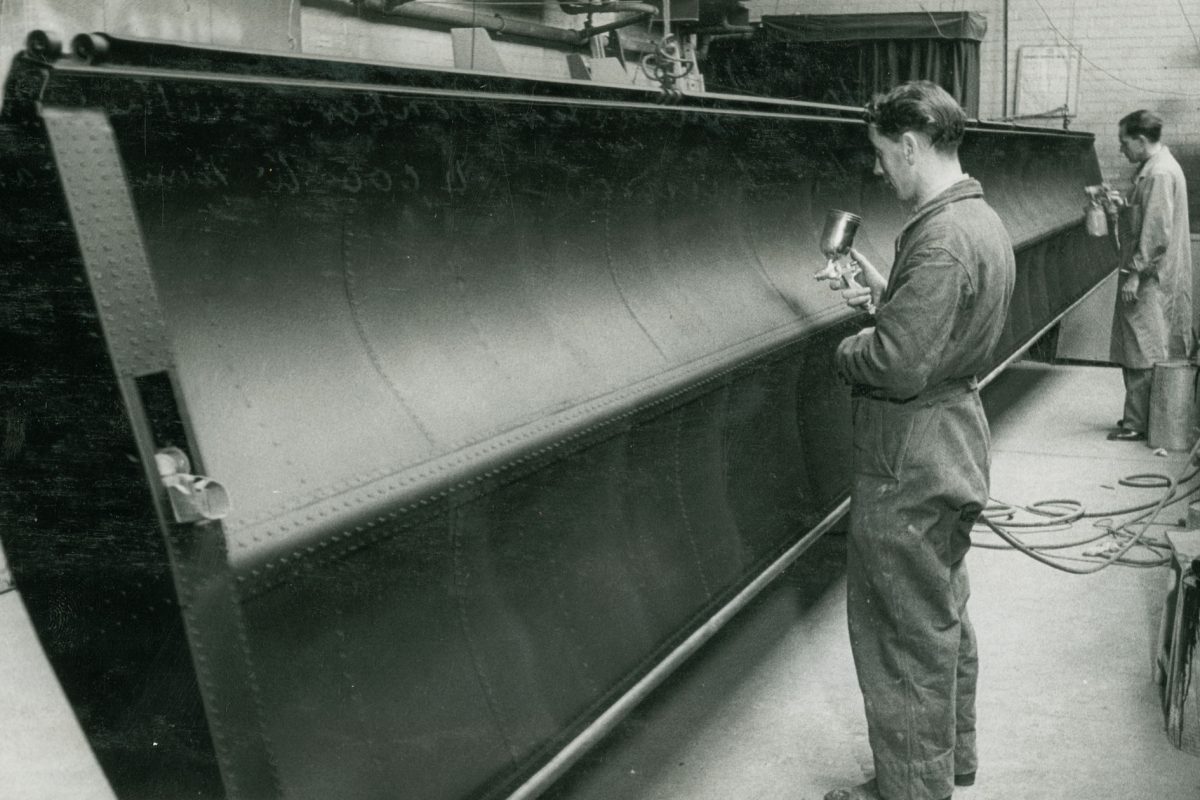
(1152, 321)
(921, 450)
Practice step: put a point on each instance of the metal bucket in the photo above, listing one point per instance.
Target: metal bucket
(1193, 515)
(1173, 405)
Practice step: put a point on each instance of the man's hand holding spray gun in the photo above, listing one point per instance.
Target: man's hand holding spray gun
(845, 267)
(1100, 214)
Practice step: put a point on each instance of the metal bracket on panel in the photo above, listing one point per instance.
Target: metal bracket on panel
(473, 49)
(609, 70)
(597, 68)
(110, 239)
(194, 498)
(577, 67)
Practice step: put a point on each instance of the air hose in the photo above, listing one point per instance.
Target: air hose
(1070, 511)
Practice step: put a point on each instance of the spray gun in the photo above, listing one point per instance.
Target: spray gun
(836, 240)
(1103, 205)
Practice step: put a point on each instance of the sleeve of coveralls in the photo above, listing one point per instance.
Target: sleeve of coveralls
(1157, 213)
(911, 329)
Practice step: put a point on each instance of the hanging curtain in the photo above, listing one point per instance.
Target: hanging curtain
(953, 65)
(848, 58)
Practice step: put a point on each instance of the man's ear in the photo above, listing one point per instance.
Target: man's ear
(910, 144)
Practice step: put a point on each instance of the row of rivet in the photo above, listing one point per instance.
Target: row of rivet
(491, 445)
(86, 185)
(96, 223)
(521, 460)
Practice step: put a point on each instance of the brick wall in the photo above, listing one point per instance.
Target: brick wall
(1133, 55)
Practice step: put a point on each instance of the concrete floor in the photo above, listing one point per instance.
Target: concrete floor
(770, 708)
(43, 753)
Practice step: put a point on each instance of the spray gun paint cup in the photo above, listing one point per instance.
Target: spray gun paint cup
(1094, 212)
(837, 238)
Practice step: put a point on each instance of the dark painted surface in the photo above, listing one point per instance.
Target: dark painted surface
(512, 387)
(78, 523)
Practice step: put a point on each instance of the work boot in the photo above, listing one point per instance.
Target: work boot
(864, 791)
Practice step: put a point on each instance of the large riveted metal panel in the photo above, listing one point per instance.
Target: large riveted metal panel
(513, 383)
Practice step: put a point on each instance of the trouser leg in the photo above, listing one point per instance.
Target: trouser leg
(965, 757)
(909, 644)
(920, 482)
(1137, 398)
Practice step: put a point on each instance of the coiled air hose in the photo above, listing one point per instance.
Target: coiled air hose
(1070, 511)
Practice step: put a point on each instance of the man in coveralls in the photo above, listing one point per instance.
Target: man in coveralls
(921, 450)
(1152, 320)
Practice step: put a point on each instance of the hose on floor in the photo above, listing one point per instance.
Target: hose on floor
(1060, 514)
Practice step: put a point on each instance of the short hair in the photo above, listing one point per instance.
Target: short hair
(920, 106)
(1142, 123)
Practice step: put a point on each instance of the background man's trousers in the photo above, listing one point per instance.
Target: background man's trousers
(1137, 398)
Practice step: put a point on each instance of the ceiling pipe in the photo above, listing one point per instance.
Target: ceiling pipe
(634, 13)
(723, 30)
(472, 18)
(705, 41)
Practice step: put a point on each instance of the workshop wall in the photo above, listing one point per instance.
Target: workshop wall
(1143, 54)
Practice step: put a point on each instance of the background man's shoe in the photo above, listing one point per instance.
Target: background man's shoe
(1127, 435)
(965, 779)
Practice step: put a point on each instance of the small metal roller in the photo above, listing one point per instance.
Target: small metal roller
(43, 45)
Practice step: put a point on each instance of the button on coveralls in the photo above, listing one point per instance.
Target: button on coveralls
(920, 481)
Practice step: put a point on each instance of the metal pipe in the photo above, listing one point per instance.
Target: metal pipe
(471, 18)
(724, 30)
(468, 18)
(562, 761)
(706, 40)
(1004, 88)
(634, 16)
(609, 7)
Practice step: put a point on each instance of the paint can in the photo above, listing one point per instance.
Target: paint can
(1173, 405)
